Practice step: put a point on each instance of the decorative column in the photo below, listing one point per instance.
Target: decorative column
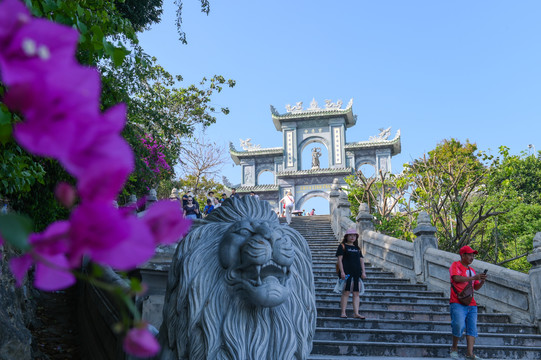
(535, 279)
(334, 194)
(344, 206)
(426, 239)
(365, 221)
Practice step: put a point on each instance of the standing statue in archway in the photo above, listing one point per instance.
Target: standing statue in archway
(316, 153)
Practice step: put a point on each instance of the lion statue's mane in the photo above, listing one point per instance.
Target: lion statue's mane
(205, 316)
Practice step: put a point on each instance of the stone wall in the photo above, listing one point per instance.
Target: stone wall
(16, 309)
(505, 290)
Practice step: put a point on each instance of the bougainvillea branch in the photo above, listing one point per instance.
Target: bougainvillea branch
(59, 101)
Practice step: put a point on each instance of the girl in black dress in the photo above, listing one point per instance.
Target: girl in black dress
(350, 262)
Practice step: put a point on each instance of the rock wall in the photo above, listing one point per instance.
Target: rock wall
(16, 309)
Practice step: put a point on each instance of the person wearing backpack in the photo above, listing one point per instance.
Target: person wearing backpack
(350, 268)
(463, 308)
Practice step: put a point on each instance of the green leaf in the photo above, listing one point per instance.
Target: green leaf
(118, 56)
(15, 230)
(135, 285)
(5, 133)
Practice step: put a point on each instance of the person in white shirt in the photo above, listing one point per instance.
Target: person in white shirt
(288, 202)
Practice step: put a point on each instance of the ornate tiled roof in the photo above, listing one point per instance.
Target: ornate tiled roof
(394, 143)
(258, 188)
(297, 113)
(326, 171)
(236, 154)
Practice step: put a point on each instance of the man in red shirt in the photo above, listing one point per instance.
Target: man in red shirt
(464, 317)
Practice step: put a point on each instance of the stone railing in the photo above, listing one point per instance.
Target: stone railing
(97, 314)
(505, 290)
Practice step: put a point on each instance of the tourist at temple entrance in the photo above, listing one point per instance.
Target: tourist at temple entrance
(234, 193)
(288, 202)
(191, 210)
(351, 268)
(463, 308)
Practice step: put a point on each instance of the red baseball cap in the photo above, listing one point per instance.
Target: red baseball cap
(467, 250)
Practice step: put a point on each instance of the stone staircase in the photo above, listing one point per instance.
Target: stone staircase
(404, 320)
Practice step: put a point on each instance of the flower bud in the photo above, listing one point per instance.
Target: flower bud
(66, 194)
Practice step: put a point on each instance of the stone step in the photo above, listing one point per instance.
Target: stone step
(390, 293)
(369, 280)
(393, 299)
(483, 327)
(420, 350)
(368, 306)
(417, 315)
(415, 336)
(324, 273)
(404, 320)
(371, 286)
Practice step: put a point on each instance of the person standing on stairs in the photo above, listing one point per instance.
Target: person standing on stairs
(288, 202)
(464, 317)
(351, 267)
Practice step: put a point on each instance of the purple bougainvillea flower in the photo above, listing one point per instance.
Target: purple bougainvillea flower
(13, 15)
(52, 273)
(166, 223)
(135, 250)
(95, 226)
(54, 240)
(38, 47)
(48, 248)
(19, 266)
(57, 112)
(109, 236)
(66, 194)
(102, 169)
(140, 342)
(105, 163)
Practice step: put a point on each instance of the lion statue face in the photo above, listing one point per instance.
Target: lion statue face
(240, 287)
(257, 261)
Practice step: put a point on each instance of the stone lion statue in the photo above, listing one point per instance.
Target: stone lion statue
(240, 287)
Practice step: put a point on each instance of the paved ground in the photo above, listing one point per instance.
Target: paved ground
(326, 357)
(55, 331)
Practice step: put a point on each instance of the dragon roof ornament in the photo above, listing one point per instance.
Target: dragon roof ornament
(329, 105)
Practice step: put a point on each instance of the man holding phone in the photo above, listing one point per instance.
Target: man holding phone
(464, 317)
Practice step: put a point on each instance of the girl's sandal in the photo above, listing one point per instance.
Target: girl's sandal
(360, 317)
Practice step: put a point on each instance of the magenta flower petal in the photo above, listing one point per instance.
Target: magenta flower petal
(140, 342)
(102, 169)
(19, 267)
(52, 241)
(166, 223)
(95, 227)
(13, 15)
(53, 273)
(38, 47)
(58, 113)
(135, 250)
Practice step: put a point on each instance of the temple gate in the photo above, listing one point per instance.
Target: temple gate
(301, 127)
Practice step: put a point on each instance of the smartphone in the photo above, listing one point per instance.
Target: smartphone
(485, 272)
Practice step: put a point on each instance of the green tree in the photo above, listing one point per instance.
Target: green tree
(521, 173)
(450, 185)
(156, 104)
(384, 194)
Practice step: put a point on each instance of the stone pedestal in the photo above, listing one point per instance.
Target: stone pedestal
(426, 238)
(535, 279)
(365, 220)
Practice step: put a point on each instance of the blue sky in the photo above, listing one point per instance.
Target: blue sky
(433, 69)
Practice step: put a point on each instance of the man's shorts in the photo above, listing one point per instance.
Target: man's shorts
(463, 318)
